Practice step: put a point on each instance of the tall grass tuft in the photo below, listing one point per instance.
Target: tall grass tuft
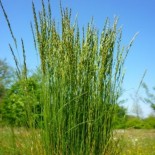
(81, 83)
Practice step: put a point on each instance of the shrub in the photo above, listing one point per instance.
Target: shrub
(134, 122)
(150, 122)
(14, 105)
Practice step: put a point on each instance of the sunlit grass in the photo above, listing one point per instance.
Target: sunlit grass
(132, 142)
(20, 141)
(81, 78)
(137, 142)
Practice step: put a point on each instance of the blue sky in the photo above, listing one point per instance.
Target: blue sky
(134, 16)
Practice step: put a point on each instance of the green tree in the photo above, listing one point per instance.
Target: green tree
(6, 75)
(150, 97)
(2, 92)
(120, 117)
(17, 106)
(150, 122)
(134, 122)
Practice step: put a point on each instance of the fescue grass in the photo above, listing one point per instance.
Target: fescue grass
(81, 83)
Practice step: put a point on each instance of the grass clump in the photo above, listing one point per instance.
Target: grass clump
(81, 81)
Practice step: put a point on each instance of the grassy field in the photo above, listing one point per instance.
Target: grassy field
(20, 141)
(137, 141)
(24, 142)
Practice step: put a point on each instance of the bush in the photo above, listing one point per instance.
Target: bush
(14, 107)
(150, 122)
(135, 122)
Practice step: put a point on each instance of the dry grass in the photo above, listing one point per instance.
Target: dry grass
(137, 142)
(20, 141)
